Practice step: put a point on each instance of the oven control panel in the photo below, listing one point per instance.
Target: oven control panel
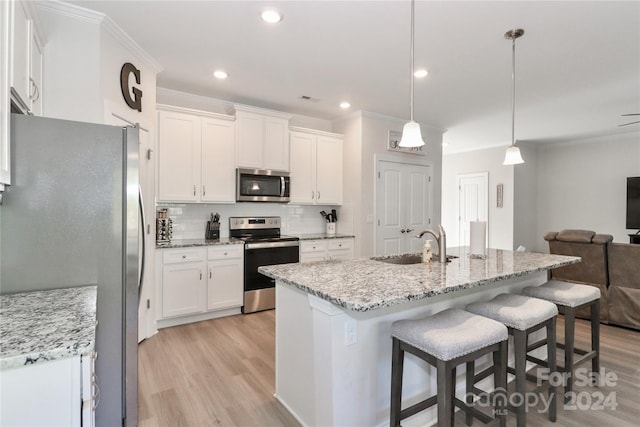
(241, 223)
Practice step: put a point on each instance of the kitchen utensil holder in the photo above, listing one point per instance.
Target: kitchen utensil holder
(331, 228)
(212, 231)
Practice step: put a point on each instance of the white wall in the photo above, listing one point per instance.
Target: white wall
(83, 55)
(366, 137)
(582, 184)
(500, 222)
(578, 184)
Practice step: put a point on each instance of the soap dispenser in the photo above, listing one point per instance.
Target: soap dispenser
(426, 251)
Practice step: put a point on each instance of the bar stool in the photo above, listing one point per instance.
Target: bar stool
(571, 297)
(445, 340)
(522, 316)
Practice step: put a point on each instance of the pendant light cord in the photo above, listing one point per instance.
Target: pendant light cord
(411, 70)
(513, 92)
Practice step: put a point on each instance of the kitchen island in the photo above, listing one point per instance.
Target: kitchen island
(333, 320)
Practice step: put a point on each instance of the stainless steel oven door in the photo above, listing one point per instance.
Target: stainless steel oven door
(259, 290)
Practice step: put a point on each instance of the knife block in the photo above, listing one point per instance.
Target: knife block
(212, 231)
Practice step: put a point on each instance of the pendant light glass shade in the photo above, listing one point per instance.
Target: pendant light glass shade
(512, 156)
(411, 136)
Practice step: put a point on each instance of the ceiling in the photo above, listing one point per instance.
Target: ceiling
(577, 65)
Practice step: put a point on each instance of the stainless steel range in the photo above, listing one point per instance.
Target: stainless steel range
(263, 246)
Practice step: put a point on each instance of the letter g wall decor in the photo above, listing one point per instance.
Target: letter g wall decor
(127, 69)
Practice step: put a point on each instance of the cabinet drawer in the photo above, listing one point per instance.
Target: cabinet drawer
(340, 244)
(225, 252)
(183, 255)
(313, 246)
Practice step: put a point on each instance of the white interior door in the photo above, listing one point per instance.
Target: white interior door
(402, 206)
(473, 203)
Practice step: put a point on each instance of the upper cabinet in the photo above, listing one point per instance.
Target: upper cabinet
(5, 170)
(262, 138)
(20, 73)
(316, 167)
(26, 59)
(195, 156)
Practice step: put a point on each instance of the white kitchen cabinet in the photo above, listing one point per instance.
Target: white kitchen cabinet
(262, 138)
(326, 249)
(59, 392)
(195, 156)
(316, 167)
(226, 275)
(26, 58)
(5, 162)
(184, 288)
(200, 283)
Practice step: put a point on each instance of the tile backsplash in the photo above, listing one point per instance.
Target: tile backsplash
(189, 220)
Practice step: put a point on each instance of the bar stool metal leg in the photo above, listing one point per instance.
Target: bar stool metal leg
(595, 338)
(551, 355)
(397, 365)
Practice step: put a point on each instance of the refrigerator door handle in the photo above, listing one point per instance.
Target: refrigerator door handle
(144, 242)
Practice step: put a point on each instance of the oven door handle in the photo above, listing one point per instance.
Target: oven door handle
(266, 245)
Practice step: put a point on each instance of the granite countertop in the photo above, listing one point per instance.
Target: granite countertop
(186, 243)
(365, 284)
(321, 236)
(47, 325)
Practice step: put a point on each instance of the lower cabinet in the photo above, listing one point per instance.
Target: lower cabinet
(59, 392)
(200, 281)
(184, 282)
(326, 249)
(225, 281)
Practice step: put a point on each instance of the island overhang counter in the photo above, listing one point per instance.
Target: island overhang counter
(333, 320)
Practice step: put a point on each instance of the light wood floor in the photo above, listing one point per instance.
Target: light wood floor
(221, 372)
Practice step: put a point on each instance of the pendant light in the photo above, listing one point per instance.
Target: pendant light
(512, 156)
(411, 136)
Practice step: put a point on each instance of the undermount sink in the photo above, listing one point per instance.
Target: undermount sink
(406, 259)
(400, 259)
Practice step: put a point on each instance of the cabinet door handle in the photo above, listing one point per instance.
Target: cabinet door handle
(35, 92)
(403, 231)
(313, 195)
(194, 190)
(318, 194)
(409, 230)
(184, 256)
(204, 192)
(200, 274)
(209, 274)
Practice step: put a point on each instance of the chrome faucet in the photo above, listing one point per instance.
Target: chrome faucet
(441, 239)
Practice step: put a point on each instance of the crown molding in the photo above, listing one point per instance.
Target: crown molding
(109, 26)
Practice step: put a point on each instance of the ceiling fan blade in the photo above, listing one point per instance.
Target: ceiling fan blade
(627, 124)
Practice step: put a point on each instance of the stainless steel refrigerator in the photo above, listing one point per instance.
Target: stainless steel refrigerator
(71, 217)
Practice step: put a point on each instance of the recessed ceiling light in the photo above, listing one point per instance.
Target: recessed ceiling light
(344, 105)
(421, 73)
(220, 74)
(271, 16)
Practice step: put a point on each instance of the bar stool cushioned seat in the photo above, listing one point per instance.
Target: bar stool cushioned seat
(522, 315)
(449, 334)
(563, 293)
(445, 340)
(515, 311)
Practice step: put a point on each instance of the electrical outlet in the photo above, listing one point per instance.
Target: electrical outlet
(350, 332)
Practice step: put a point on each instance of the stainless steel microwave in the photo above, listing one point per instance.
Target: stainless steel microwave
(257, 185)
